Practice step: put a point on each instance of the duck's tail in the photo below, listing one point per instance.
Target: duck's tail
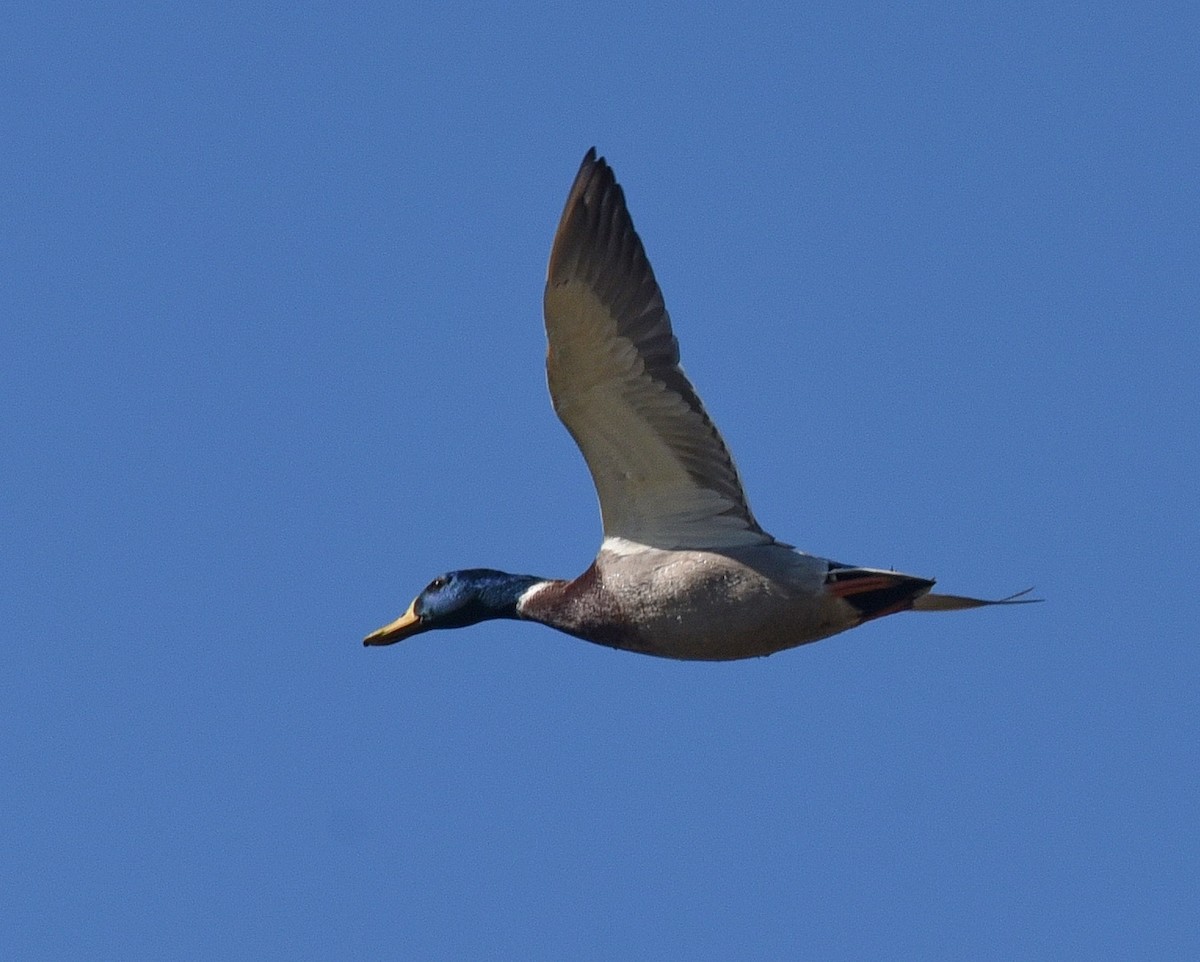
(874, 592)
(957, 602)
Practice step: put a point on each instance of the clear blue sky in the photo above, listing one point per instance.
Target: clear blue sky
(272, 358)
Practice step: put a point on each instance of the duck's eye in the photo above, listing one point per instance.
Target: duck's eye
(438, 583)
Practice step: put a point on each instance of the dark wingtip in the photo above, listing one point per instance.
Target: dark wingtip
(582, 214)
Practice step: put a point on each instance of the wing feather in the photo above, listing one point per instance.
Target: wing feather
(663, 474)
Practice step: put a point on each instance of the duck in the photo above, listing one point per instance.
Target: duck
(684, 569)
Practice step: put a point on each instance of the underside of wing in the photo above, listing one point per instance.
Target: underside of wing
(662, 472)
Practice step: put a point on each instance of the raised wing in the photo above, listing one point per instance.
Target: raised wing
(662, 472)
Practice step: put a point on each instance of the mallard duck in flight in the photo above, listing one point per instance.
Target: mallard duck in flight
(684, 570)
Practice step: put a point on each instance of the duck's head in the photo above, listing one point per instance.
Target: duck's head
(455, 600)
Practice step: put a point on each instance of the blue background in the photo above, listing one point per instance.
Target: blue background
(272, 359)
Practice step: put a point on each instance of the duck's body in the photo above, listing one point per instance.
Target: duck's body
(703, 605)
(685, 570)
